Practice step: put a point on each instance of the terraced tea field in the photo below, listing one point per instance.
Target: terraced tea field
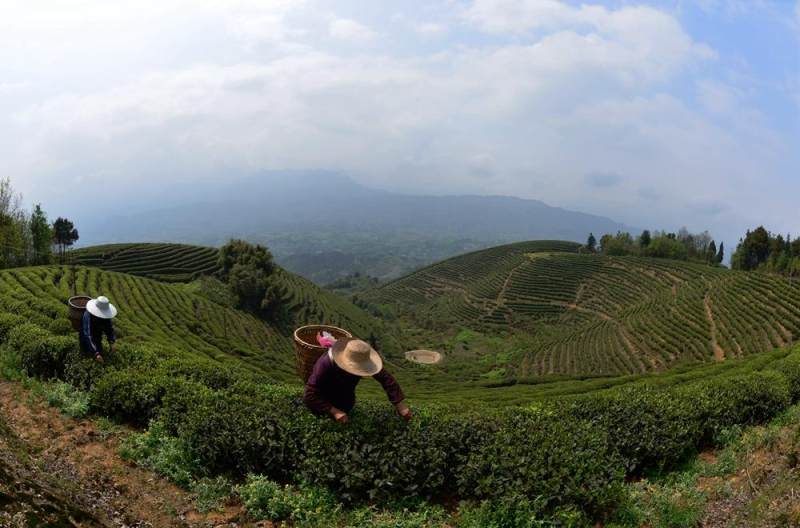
(592, 314)
(176, 263)
(156, 313)
(164, 262)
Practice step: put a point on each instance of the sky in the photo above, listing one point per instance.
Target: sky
(657, 114)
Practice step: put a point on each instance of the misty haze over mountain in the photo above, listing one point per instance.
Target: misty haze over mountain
(301, 215)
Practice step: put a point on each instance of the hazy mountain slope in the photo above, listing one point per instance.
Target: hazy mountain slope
(591, 314)
(294, 202)
(303, 216)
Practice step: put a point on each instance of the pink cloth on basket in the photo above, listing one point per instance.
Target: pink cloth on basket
(325, 341)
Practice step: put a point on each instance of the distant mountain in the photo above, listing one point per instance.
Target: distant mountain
(303, 214)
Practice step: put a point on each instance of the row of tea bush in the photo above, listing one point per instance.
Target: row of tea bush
(572, 453)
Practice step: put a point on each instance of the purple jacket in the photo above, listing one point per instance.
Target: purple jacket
(330, 386)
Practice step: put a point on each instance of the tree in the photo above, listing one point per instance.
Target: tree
(41, 237)
(619, 245)
(711, 253)
(645, 239)
(250, 273)
(13, 235)
(64, 235)
(591, 243)
(242, 252)
(720, 254)
(753, 250)
(667, 247)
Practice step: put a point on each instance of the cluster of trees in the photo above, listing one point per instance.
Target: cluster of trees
(761, 250)
(249, 270)
(29, 238)
(682, 245)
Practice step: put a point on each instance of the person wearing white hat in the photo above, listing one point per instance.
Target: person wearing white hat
(331, 388)
(96, 322)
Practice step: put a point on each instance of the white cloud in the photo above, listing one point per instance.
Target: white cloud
(559, 93)
(347, 29)
(651, 40)
(797, 15)
(716, 97)
(429, 29)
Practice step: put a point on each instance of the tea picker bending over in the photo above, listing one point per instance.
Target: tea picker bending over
(96, 321)
(331, 388)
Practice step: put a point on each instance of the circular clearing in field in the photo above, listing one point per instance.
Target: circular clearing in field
(424, 357)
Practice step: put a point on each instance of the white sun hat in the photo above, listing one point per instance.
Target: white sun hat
(101, 308)
(356, 357)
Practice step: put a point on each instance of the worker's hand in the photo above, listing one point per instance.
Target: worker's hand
(403, 411)
(339, 415)
(99, 358)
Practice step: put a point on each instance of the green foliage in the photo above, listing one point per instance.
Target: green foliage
(761, 250)
(43, 355)
(130, 395)
(681, 246)
(242, 253)
(73, 402)
(64, 235)
(10, 364)
(15, 237)
(591, 243)
(164, 454)
(210, 494)
(518, 512)
(41, 237)
(621, 244)
(303, 506)
(417, 514)
(668, 248)
(249, 271)
(645, 238)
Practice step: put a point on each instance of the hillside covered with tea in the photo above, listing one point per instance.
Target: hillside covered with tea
(588, 314)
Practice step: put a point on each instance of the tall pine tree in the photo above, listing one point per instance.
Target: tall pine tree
(41, 237)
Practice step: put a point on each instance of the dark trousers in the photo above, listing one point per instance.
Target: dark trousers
(86, 347)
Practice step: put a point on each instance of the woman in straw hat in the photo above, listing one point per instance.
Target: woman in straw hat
(96, 322)
(331, 388)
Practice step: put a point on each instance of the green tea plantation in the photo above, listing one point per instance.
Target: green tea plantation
(218, 384)
(587, 314)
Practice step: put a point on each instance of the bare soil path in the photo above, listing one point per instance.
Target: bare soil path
(719, 352)
(113, 492)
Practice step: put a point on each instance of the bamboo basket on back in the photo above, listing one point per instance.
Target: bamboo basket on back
(306, 349)
(77, 306)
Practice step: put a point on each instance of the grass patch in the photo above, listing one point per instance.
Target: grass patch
(162, 453)
(211, 494)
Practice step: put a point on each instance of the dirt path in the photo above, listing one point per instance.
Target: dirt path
(719, 353)
(572, 306)
(501, 297)
(75, 451)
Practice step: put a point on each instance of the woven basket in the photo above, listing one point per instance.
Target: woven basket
(77, 306)
(306, 349)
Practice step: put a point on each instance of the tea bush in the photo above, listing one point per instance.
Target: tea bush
(304, 506)
(43, 354)
(130, 395)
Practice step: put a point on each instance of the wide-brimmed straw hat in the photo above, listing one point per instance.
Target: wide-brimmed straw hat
(101, 308)
(356, 357)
